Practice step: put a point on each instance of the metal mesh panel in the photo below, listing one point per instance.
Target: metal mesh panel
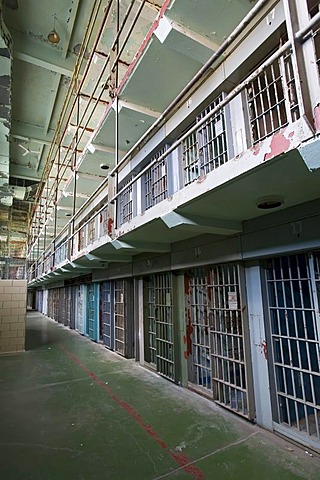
(119, 315)
(164, 325)
(272, 99)
(106, 313)
(199, 358)
(212, 139)
(156, 181)
(295, 341)
(229, 377)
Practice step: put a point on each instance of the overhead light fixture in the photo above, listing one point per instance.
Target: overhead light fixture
(268, 203)
(54, 36)
(104, 166)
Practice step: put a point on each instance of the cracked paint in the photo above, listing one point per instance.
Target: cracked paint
(317, 117)
(279, 144)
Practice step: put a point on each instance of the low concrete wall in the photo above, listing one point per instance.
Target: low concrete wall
(13, 309)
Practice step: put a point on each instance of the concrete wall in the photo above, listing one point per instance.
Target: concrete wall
(13, 309)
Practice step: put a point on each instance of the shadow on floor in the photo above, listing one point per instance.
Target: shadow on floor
(36, 338)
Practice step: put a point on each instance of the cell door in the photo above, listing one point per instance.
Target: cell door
(229, 338)
(107, 314)
(92, 311)
(293, 345)
(165, 353)
(198, 351)
(150, 350)
(80, 308)
(119, 317)
(68, 301)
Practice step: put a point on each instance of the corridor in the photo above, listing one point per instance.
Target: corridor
(71, 409)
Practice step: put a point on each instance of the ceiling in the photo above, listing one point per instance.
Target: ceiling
(58, 99)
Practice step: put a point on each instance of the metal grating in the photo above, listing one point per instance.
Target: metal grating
(294, 324)
(164, 325)
(92, 230)
(156, 181)
(229, 376)
(150, 352)
(107, 314)
(272, 99)
(81, 239)
(119, 317)
(212, 139)
(125, 204)
(197, 328)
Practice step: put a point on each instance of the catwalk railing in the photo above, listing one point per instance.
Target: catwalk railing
(271, 99)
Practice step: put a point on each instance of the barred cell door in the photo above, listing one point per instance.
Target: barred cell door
(92, 309)
(80, 308)
(149, 322)
(197, 341)
(293, 286)
(229, 338)
(68, 300)
(107, 314)
(165, 352)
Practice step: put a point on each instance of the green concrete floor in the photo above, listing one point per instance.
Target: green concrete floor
(70, 409)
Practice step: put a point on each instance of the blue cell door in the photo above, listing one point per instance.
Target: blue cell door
(92, 324)
(107, 313)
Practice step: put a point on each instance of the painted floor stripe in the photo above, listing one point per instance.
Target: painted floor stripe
(180, 458)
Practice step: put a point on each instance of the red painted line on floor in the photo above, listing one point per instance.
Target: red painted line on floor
(180, 458)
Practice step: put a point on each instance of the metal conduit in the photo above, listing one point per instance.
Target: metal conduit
(100, 76)
(86, 39)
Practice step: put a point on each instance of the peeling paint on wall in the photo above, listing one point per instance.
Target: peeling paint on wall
(279, 144)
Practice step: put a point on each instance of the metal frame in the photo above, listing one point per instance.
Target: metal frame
(197, 329)
(272, 98)
(107, 313)
(293, 355)
(156, 180)
(229, 335)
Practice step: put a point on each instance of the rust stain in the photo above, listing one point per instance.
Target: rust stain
(110, 225)
(186, 285)
(279, 144)
(317, 117)
(187, 339)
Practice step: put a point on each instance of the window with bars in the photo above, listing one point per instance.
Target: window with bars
(156, 181)
(81, 239)
(212, 139)
(91, 230)
(207, 148)
(272, 99)
(125, 204)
